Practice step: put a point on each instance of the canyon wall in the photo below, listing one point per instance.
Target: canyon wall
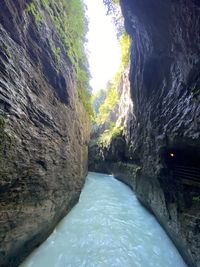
(165, 136)
(44, 129)
(159, 155)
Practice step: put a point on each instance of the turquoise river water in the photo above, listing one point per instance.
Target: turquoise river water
(107, 228)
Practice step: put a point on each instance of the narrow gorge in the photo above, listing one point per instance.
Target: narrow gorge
(48, 143)
(158, 151)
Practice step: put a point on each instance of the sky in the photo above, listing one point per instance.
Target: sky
(103, 46)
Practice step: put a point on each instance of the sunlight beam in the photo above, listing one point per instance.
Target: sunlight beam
(103, 46)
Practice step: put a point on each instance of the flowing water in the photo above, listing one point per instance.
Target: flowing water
(107, 228)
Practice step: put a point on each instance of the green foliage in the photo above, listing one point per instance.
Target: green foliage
(57, 53)
(132, 170)
(109, 134)
(108, 105)
(113, 9)
(69, 19)
(97, 99)
(45, 3)
(125, 44)
(85, 97)
(34, 10)
(105, 103)
(105, 109)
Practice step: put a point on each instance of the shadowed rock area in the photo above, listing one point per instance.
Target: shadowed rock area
(44, 131)
(44, 128)
(158, 154)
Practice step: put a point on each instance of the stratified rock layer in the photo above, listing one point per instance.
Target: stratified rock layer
(44, 132)
(162, 135)
(165, 135)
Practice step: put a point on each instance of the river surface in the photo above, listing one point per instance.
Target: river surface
(107, 228)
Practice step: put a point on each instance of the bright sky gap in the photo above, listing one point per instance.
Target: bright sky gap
(103, 46)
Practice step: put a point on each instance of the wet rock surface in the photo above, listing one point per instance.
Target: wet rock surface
(44, 132)
(165, 82)
(163, 133)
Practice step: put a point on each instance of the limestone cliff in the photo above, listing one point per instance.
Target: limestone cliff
(163, 133)
(164, 73)
(102, 155)
(165, 82)
(44, 128)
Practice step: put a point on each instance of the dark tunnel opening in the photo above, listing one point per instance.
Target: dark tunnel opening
(183, 163)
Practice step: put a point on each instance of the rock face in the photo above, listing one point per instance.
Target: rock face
(101, 157)
(44, 131)
(163, 134)
(165, 138)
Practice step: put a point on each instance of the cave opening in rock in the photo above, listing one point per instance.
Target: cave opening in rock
(183, 162)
